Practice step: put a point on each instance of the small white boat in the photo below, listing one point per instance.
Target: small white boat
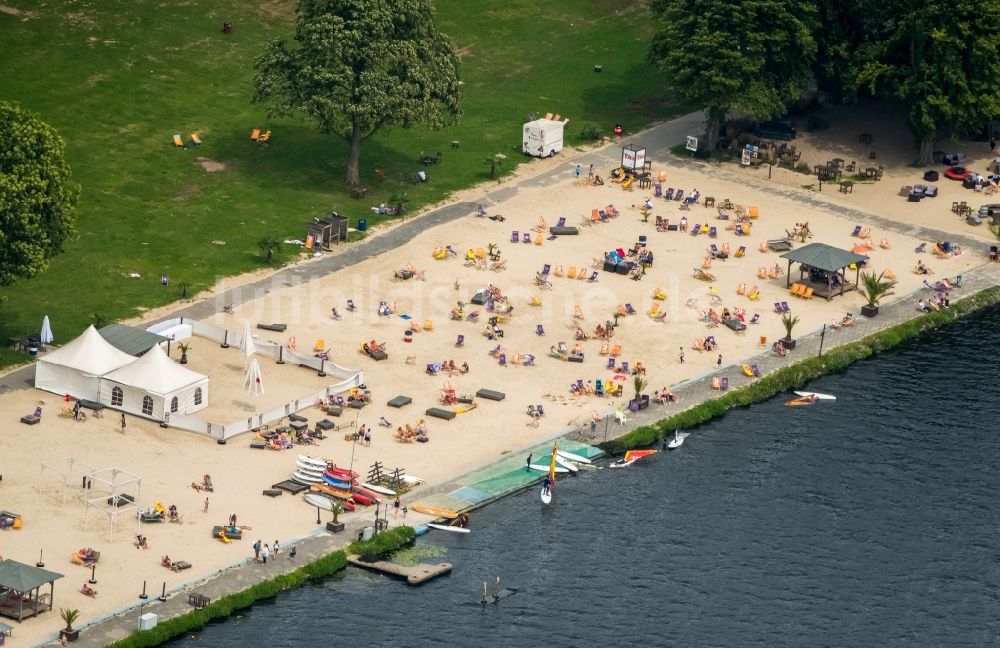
(443, 527)
(539, 467)
(622, 463)
(806, 394)
(312, 461)
(308, 469)
(306, 479)
(676, 441)
(546, 496)
(379, 489)
(569, 456)
(319, 501)
(569, 465)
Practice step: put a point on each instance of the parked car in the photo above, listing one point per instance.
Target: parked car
(954, 158)
(956, 173)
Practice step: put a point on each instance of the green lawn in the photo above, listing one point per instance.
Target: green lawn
(119, 78)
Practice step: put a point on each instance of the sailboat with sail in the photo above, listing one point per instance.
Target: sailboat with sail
(551, 480)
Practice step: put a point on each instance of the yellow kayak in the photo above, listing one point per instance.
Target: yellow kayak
(437, 512)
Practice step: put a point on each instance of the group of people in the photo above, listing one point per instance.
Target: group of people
(408, 433)
(261, 552)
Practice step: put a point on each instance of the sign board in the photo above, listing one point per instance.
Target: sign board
(691, 144)
(633, 157)
(749, 153)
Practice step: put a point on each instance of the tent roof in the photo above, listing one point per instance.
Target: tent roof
(90, 353)
(156, 373)
(24, 578)
(133, 341)
(823, 256)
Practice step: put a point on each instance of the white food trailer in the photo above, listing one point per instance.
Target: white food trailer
(543, 137)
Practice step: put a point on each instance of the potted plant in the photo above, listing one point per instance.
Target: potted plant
(875, 288)
(336, 526)
(789, 321)
(617, 316)
(69, 615)
(184, 352)
(641, 401)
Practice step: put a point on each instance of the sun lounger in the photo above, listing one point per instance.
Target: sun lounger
(515, 237)
(255, 135)
(747, 371)
(735, 325)
(195, 138)
(490, 394)
(399, 401)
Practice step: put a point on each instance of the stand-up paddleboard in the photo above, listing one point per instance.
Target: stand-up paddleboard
(302, 478)
(379, 489)
(540, 467)
(436, 512)
(818, 396)
(569, 465)
(453, 529)
(569, 456)
(319, 501)
(309, 469)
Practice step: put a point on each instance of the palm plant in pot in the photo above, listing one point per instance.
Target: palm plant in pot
(184, 352)
(336, 526)
(788, 321)
(69, 615)
(875, 288)
(641, 401)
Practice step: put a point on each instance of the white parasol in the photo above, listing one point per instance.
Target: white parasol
(252, 383)
(46, 332)
(246, 342)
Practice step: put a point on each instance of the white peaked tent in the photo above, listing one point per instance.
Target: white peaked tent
(155, 385)
(76, 368)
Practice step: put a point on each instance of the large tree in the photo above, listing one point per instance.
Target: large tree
(734, 56)
(943, 59)
(37, 198)
(362, 65)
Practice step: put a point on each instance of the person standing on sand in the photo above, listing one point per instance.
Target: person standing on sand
(527, 465)
(205, 510)
(718, 363)
(590, 174)
(123, 422)
(681, 356)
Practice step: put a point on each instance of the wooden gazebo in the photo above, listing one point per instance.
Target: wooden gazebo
(20, 586)
(830, 261)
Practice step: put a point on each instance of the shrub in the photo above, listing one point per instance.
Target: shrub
(383, 544)
(591, 132)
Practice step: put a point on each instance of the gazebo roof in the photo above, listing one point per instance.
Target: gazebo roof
(130, 339)
(24, 578)
(824, 257)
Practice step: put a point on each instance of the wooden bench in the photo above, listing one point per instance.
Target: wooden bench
(198, 600)
(359, 192)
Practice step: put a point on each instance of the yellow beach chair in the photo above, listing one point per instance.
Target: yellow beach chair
(178, 142)
(195, 138)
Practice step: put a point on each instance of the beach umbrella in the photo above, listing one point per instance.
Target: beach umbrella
(46, 332)
(246, 343)
(252, 383)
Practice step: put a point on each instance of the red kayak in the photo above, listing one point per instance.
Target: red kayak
(361, 499)
(372, 495)
(342, 473)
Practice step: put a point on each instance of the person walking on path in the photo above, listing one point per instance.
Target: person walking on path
(590, 174)
(578, 170)
(265, 551)
(681, 356)
(291, 553)
(275, 549)
(256, 551)
(405, 511)
(395, 508)
(123, 422)
(527, 465)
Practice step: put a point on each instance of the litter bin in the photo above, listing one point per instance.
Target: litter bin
(34, 341)
(362, 224)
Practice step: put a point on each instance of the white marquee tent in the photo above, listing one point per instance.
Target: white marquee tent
(76, 368)
(155, 385)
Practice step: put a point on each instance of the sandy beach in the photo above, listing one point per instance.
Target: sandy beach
(169, 460)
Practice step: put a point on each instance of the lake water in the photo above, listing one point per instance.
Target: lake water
(871, 521)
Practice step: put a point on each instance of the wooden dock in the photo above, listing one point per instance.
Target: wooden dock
(415, 575)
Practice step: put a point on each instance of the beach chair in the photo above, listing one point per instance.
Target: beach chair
(660, 317)
(178, 142)
(739, 230)
(561, 222)
(807, 292)
(857, 230)
(593, 276)
(577, 311)
(541, 226)
(741, 252)
(696, 230)
(264, 139)
(756, 370)
(754, 294)
(320, 345)
(669, 195)
(679, 195)
(629, 309)
(571, 273)
(777, 307)
(538, 239)
(539, 330)
(195, 138)
(785, 308)
(545, 269)
(616, 351)
(623, 368)
(255, 135)
(747, 370)
(460, 341)
(724, 383)
(526, 238)
(497, 266)
(350, 305)
(712, 232)
(558, 272)
(657, 190)
(603, 215)
(428, 325)
(515, 237)
(502, 359)
(796, 289)
(612, 211)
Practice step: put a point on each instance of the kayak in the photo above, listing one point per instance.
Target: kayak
(326, 489)
(336, 483)
(367, 493)
(342, 473)
(361, 499)
(453, 529)
(569, 465)
(818, 396)
(379, 489)
(436, 512)
(569, 456)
